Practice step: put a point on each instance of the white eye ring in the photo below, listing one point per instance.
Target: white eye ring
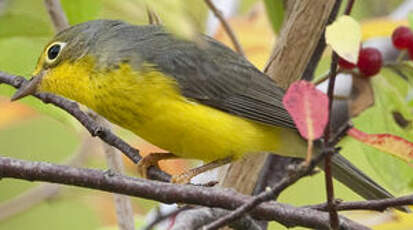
(53, 51)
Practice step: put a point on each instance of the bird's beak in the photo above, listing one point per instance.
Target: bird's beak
(29, 87)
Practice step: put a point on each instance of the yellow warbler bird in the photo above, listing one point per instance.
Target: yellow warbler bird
(197, 100)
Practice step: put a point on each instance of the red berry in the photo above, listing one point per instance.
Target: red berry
(402, 37)
(370, 61)
(345, 64)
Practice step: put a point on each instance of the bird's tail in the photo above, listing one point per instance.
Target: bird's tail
(345, 172)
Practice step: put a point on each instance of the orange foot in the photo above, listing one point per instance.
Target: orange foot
(152, 160)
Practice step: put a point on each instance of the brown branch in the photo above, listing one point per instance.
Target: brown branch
(196, 218)
(123, 205)
(349, 7)
(374, 205)
(162, 217)
(57, 16)
(226, 27)
(94, 129)
(328, 133)
(329, 154)
(321, 45)
(285, 182)
(302, 27)
(286, 215)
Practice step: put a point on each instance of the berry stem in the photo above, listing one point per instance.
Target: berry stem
(401, 56)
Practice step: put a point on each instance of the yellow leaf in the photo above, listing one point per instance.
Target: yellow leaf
(344, 36)
(385, 142)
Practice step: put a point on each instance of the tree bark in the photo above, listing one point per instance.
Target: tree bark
(301, 31)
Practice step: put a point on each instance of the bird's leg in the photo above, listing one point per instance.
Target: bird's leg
(186, 177)
(152, 160)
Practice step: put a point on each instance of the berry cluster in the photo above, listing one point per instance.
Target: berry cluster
(370, 59)
(369, 62)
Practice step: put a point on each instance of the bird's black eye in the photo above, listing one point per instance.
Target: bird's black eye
(53, 51)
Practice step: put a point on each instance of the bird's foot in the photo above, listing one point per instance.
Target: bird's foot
(183, 178)
(152, 160)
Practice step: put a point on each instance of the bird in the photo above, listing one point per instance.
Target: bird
(196, 99)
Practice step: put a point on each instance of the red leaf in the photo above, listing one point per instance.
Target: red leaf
(308, 107)
(392, 144)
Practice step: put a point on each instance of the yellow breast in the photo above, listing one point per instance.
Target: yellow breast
(150, 104)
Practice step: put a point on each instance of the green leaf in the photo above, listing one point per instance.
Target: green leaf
(78, 11)
(275, 11)
(390, 93)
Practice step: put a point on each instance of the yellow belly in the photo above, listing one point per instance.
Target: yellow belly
(150, 105)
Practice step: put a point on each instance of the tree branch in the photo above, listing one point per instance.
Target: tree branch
(162, 217)
(374, 205)
(285, 214)
(267, 195)
(59, 19)
(327, 148)
(319, 50)
(301, 30)
(123, 205)
(196, 218)
(91, 125)
(226, 26)
(328, 133)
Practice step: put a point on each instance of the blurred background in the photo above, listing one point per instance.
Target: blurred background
(34, 131)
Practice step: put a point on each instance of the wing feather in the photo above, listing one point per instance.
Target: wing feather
(208, 72)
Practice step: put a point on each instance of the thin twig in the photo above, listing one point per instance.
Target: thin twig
(196, 218)
(327, 133)
(226, 26)
(374, 205)
(57, 16)
(163, 217)
(300, 172)
(349, 7)
(284, 214)
(334, 222)
(94, 129)
(319, 50)
(123, 205)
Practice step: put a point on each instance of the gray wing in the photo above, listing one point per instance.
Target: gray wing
(207, 72)
(216, 76)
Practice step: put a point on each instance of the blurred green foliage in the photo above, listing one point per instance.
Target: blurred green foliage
(78, 11)
(275, 11)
